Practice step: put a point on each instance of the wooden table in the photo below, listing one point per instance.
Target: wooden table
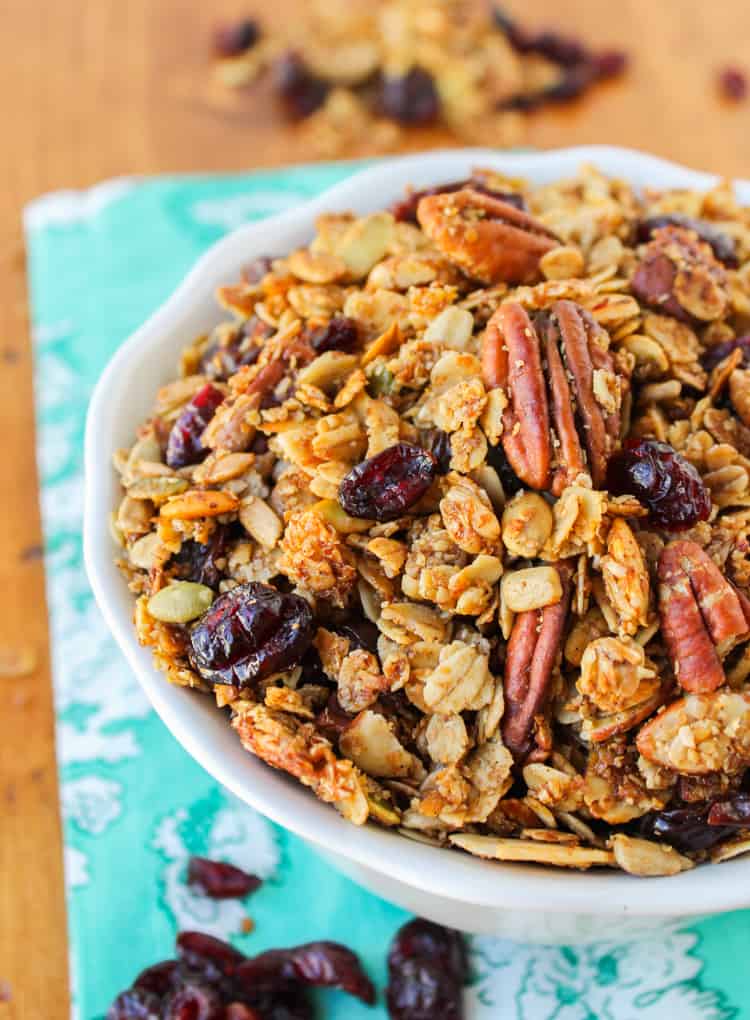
(95, 88)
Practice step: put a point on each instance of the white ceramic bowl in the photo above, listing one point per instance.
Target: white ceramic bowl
(517, 901)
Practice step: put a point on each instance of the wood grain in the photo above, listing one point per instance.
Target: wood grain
(95, 88)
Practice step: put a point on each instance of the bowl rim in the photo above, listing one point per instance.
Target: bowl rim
(452, 875)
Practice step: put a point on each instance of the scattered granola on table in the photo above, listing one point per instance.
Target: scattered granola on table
(358, 72)
(451, 516)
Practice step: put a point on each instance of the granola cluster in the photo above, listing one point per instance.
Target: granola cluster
(451, 514)
(362, 75)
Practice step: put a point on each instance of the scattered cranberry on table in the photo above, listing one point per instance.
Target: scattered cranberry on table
(220, 880)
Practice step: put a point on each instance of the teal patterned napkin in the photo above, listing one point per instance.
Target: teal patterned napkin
(135, 805)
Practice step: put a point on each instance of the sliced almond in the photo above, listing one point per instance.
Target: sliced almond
(647, 859)
(532, 588)
(260, 521)
(558, 854)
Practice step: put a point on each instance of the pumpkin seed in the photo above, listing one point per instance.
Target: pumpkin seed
(180, 602)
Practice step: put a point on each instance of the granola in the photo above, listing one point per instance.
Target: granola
(452, 516)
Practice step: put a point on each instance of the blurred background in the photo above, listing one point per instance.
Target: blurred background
(92, 89)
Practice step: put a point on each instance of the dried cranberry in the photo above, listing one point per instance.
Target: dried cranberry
(426, 971)
(301, 91)
(234, 39)
(609, 63)
(158, 978)
(338, 334)
(440, 448)
(239, 1011)
(684, 828)
(721, 244)
(321, 964)
(193, 1002)
(421, 938)
(229, 352)
(405, 209)
(199, 561)
(250, 632)
(718, 352)
(362, 633)
(733, 84)
(220, 880)
(135, 1004)
(567, 51)
(732, 812)
(667, 484)
(509, 480)
(333, 720)
(410, 98)
(385, 486)
(256, 269)
(184, 444)
(208, 955)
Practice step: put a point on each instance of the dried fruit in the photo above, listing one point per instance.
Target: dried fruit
(660, 478)
(385, 486)
(213, 981)
(721, 244)
(732, 812)
(300, 91)
(249, 633)
(733, 84)
(231, 40)
(488, 239)
(135, 1004)
(427, 968)
(679, 275)
(410, 98)
(685, 828)
(184, 444)
(221, 880)
(718, 352)
(229, 350)
(203, 562)
(319, 964)
(338, 334)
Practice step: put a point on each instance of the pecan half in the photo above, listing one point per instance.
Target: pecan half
(533, 648)
(702, 615)
(679, 276)
(579, 396)
(490, 240)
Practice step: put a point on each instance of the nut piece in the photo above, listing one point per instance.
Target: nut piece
(551, 441)
(678, 275)
(511, 359)
(642, 857)
(490, 240)
(527, 524)
(626, 577)
(559, 854)
(373, 746)
(700, 733)
(532, 588)
(702, 616)
(468, 516)
(532, 652)
(197, 503)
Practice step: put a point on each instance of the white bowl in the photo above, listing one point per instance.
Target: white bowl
(517, 901)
